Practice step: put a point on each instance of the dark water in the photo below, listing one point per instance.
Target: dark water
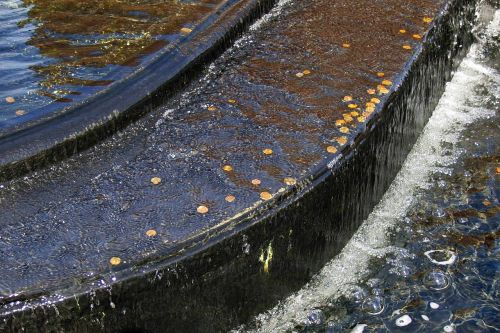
(57, 52)
(428, 258)
(265, 116)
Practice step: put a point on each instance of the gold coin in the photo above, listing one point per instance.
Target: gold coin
(265, 196)
(151, 233)
(115, 261)
(202, 209)
(256, 182)
(331, 149)
(267, 151)
(156, 180)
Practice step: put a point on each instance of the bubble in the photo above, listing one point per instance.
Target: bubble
(359, 294)
(448, 329)
(403, 321)
(315, 317)
(434, 305)
(424, 317)
(439, 212)
(441, 257)
(436, 280)
(373, 305)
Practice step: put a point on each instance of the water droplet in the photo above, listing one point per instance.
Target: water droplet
(436, 280)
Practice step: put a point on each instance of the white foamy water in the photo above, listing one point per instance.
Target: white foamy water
(450, 118)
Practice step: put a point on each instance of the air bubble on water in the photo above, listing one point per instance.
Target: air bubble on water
(434, 305)
(315, 317)
(436, 280)
(441, 257)
(403, 321)
(448, 329)
(439, 212)
(359, 294)
(373, 305)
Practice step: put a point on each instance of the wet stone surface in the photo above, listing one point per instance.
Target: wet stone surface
(284, 101)
(55, 53)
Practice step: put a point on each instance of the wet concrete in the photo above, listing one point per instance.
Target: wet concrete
(215, 204)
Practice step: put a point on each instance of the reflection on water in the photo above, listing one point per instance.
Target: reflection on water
(63, 50)
(427, 258)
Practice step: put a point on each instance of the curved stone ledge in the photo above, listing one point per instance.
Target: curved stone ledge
(36, 144)
(211, 282)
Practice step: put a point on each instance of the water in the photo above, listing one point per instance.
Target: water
(427, 258)
(55, 53)
(281, 88)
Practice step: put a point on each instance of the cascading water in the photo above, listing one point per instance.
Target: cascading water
(426, 259)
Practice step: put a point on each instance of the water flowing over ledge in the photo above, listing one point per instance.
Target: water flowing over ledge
(215, 204)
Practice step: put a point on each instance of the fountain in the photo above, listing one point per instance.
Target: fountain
(182, 192)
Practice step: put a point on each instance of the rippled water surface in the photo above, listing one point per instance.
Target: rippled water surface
(57, 52)
(428, 257)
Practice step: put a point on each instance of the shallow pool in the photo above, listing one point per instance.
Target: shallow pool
(54, 53)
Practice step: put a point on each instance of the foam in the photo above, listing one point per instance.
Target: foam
(450, 118)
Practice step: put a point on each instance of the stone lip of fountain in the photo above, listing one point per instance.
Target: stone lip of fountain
(212, 275)
(31, 145)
